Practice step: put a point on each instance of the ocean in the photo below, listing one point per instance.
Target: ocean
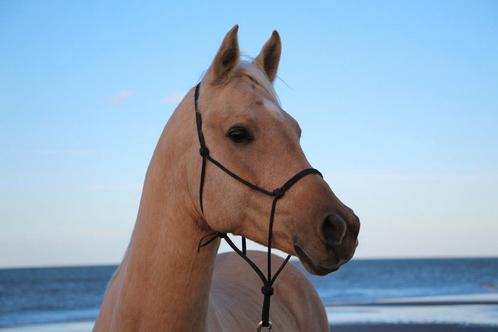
(453, 291)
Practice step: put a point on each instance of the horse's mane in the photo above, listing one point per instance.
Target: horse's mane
(256, 73)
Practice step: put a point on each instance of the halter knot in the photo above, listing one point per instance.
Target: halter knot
(278, 193)
(267, 290)
(204, 151)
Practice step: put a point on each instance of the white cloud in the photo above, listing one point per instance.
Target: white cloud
(173, 98)
(121, 97)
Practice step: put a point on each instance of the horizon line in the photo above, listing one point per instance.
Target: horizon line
(293, 258)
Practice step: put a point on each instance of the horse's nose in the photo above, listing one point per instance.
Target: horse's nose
(355, 226)
(334, 229)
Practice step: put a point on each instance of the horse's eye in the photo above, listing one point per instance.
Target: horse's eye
(239, 134)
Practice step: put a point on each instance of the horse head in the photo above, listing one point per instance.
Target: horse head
(249, 133)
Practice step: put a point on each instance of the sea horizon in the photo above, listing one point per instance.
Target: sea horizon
(292, 259)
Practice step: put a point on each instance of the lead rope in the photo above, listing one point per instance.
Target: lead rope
(277, 194)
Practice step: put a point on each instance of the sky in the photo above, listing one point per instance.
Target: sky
(398, 102)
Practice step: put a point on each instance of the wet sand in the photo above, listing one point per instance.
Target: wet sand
(57, 327)
(411, 328)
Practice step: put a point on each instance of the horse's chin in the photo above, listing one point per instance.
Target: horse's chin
(311, 266)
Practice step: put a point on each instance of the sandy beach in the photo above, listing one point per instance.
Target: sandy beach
(472, 313)
(411, 328)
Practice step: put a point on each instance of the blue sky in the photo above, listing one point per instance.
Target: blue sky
(397, 100)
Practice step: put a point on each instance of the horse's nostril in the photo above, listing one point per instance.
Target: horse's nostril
(334, 229)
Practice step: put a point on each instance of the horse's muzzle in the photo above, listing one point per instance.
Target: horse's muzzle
(339, 237)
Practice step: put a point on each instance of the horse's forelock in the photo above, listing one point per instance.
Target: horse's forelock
(258, 75)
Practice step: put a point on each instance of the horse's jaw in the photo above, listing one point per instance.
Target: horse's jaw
(310, 266)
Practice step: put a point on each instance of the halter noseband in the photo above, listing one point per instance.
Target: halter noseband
(277, 194)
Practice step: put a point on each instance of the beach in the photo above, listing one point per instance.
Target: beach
(411, 328)
(472, 313)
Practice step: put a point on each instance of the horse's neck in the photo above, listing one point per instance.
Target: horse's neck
(165, 278)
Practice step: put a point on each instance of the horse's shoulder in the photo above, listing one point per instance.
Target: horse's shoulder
(236, 293)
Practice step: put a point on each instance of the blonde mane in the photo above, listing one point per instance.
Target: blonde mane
(255, 72)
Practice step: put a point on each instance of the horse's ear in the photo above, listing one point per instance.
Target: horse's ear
(269, 57)
(226, 59)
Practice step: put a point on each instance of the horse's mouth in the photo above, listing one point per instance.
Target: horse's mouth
(310, 265)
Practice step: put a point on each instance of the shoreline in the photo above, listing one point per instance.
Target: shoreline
(416, 327)
(460, 313)
(350, 327)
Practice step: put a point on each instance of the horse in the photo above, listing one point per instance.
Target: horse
(171, 278)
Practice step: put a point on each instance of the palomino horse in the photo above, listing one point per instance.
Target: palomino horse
(167, 281)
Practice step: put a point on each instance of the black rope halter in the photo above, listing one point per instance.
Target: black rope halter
(277, 194)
